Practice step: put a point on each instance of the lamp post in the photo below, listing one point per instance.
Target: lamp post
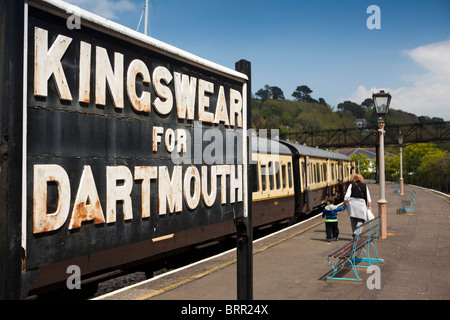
(381, 102)
(400, 142)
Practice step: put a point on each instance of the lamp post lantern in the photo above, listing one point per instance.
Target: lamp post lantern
(381, 102)
(400, 142)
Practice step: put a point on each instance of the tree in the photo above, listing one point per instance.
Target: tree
(423, 164)
(428, 171)
(368, 103)
(277, 93)
(353, 108)
(363, 164)
(414, 154)
(271, 108)
(323, 102)
(392, 167)
(264, 94)
(302, 93)
(269, 92)
(443, 173)
(426, 165)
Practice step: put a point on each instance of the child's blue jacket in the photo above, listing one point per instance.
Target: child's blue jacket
(330, 212)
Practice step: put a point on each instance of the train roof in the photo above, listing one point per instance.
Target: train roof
(263, 145)
(316, 152)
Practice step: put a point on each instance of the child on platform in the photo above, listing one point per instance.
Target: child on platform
(331, 222)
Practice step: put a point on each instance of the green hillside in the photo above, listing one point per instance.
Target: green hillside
(294, 116)
(270, 110)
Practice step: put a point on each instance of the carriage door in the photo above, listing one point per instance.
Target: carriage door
(307, 183)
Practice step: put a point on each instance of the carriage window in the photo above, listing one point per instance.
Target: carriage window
(277, 175)
(325, 176)
(302, 166)
(332, 171)
(283, 175)
(263, 176)
(271, 175)
(290, 174)
(318, 172)
(255, 180)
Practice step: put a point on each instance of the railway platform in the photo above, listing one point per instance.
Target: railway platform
(292, 264)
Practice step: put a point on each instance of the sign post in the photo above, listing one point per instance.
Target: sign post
(244, 225)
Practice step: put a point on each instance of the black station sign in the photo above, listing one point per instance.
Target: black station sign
(127, 138)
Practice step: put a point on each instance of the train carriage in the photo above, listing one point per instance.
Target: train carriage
(290, 180)
(273, 196)
(319, 174)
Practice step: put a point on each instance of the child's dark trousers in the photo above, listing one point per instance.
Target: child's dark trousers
(332, 230)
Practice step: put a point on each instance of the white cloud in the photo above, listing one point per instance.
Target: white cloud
(429, 93)
(435, 58)
(109, 9)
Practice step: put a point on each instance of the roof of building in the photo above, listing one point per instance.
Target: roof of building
(370, 152)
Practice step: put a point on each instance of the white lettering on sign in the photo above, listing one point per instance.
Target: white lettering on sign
(44, 221)
(192, 200)
(204, 87)
(105, 73)
(163, 107)
(185, 95)
(111, 74)
(84, 87)
(119, 185)
(87, 203)
(47, 63)
(146, 174)
(141, 103)
(169, 194)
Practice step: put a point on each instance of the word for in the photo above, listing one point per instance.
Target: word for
(374, 21)
(229, 309)
(192, 185)
(192, 96)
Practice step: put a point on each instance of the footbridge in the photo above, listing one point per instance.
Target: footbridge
(422, 131)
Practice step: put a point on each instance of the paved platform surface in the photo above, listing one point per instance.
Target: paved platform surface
(292, 265)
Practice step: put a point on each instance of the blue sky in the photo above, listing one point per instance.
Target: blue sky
(324, 44)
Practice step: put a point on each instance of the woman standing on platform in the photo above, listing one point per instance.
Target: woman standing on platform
(358, 201)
